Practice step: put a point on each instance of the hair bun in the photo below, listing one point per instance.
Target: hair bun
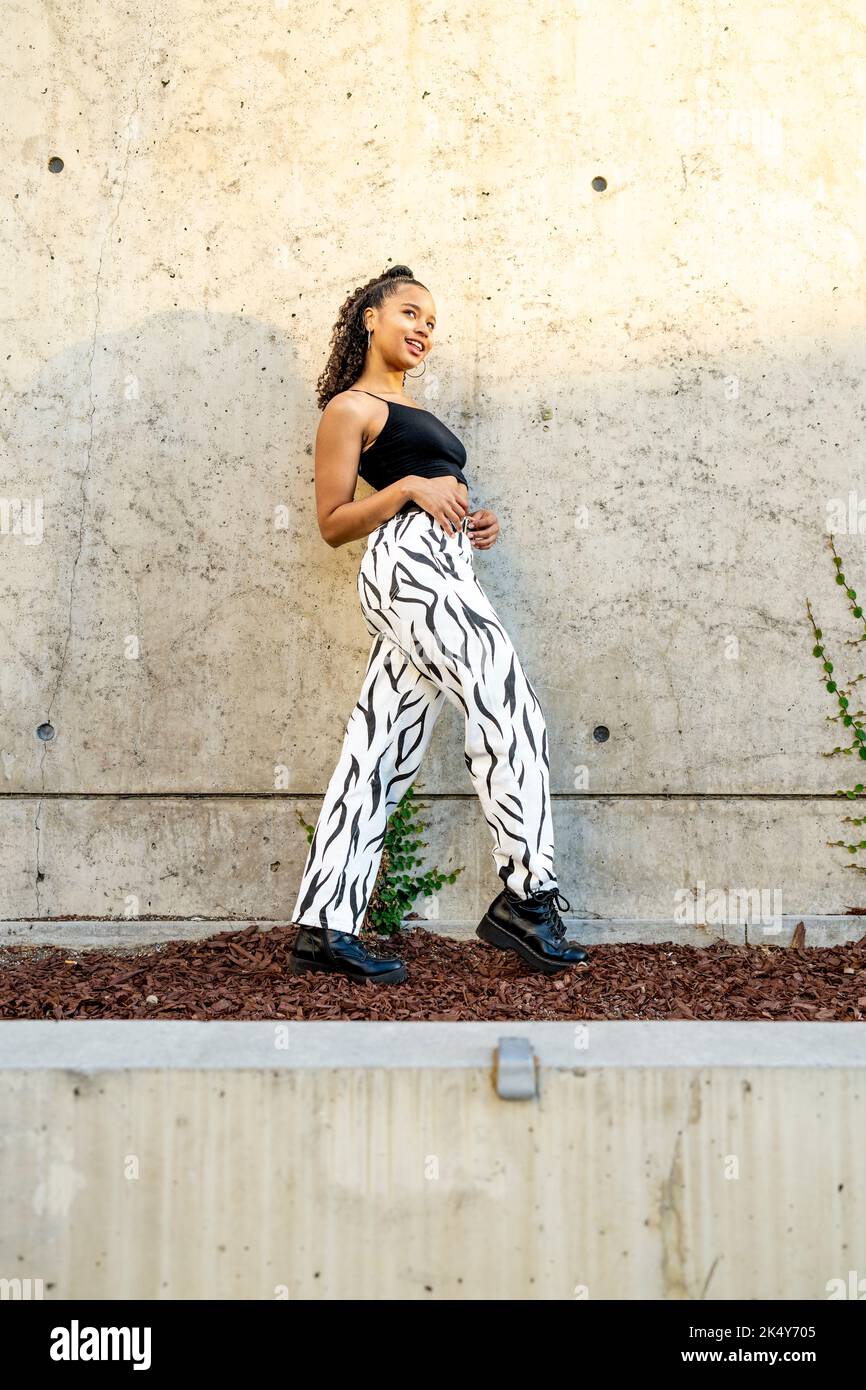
(398, 272)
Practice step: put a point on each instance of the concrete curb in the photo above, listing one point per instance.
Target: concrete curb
(130, 1045)
(123, 931)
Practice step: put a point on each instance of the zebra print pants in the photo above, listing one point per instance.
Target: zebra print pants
(436, 636)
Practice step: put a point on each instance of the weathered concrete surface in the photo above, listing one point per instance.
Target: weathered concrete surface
(658, 384)
(639, 858)
(333, 1160)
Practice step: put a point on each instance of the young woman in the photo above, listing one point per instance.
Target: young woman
(436, 637)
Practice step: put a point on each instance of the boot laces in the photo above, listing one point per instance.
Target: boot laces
(551, 898)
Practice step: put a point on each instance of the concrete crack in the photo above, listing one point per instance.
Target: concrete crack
(671, 1225)
(703, 1292)
(671, 1206)
(38, 847)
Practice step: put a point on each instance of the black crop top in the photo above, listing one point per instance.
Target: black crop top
(411, 440)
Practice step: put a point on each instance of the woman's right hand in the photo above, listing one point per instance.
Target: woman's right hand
(445, 498)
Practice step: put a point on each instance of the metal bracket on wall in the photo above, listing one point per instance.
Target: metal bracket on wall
(516, 1071)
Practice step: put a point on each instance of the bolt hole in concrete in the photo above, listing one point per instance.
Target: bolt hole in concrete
(45, 732)
(599, 183)
(601, 733)
(55, 164)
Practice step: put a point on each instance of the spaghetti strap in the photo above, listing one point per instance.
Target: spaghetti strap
(362, 392)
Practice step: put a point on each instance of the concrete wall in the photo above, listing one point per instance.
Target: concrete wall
(659, 385)
(334, 1160)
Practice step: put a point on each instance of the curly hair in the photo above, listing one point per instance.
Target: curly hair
(349, 337)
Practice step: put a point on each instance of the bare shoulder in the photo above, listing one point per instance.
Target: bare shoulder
(342, 419)
(347, 405)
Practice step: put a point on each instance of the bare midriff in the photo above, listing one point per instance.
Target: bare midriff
(463, 488)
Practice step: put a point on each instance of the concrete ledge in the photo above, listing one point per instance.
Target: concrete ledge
(130, 1045)
(324, 1161)
(119, 931)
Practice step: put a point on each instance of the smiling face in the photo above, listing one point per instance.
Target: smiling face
(402, 328)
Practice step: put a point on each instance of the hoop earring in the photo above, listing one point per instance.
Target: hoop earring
(417, 374)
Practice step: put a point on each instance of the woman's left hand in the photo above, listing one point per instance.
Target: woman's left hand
(483, 528)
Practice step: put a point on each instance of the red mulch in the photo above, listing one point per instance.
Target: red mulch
(243, 974)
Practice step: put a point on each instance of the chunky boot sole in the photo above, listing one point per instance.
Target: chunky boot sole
(495, 936)
(388, 977)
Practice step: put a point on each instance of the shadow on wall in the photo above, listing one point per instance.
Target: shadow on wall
(179, 622)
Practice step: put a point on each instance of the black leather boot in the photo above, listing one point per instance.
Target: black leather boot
(341, 953)
(532, 927)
